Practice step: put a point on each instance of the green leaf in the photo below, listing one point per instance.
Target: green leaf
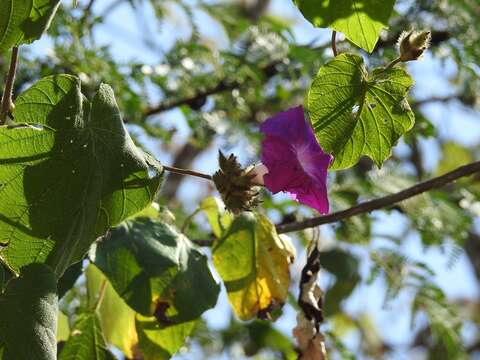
(63, 327)
(157, 270)
(24, 21)
(117, 318)
(68, 174)
(360, 20)
(264, 336)
(253, 262)
(218, 218)
(345, 267)
(28, 315)
(453, 156)
(354, 113)
(39, 20)
(131, 332)
(86, 341)
(161, 343)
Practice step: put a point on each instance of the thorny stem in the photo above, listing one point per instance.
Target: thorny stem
(101, 295)
(383, 202)
(187, 172)
(334, 43)
(7, 103)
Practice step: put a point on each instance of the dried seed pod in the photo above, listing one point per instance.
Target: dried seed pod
(235, 184)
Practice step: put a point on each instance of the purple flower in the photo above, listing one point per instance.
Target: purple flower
(295, 161)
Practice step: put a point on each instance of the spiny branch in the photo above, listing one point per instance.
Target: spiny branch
(385, 201)
(7, 103)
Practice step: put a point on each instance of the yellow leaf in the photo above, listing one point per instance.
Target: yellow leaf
(118, 319)
(218, 218)
(254, 264)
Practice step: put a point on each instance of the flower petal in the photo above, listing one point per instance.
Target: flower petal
(289, 125)
(314, 196)
(284, 170)
(295, 161)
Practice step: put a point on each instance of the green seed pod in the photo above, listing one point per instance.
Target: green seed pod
(412, 44)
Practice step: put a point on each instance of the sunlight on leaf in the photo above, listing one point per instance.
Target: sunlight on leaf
(218, 218)
(68, 174)
(24, 20)
(360, 20)
(118, 319)
(354, 113)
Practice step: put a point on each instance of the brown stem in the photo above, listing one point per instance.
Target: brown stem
(385, 201)
(334, 43)
(101, 295)
(7, 102)
(187, 172)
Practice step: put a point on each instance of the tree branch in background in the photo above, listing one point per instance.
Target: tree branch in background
(183, 159)
(385, 201)
(7, 103)
(199, 98)
(270, 70)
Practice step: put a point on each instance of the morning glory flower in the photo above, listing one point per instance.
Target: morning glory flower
(294, 161)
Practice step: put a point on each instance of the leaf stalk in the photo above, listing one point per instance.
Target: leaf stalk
(7, 103)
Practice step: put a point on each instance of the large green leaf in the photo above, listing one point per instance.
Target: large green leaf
(86, 341)
(360, 20)
(24, 21)
(28, 315)
(67, 175)
(253, 262)
(157, 271)
(355, 113)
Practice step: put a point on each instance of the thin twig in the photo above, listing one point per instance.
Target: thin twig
(334, 43)
(189, 219)
(7, 102)
(101, 295)
(385, 201)
(187, 172)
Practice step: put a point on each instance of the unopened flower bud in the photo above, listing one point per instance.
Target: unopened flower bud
(259, 171)
(412, 44)
(236, 185)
